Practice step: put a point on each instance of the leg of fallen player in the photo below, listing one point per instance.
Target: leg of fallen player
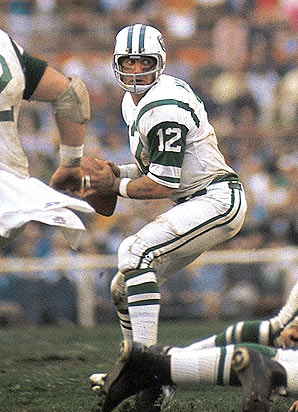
(261, 370)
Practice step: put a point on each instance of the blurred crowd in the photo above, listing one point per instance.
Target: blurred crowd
(240, 57)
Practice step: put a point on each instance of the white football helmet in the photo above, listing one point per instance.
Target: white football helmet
(139, 40)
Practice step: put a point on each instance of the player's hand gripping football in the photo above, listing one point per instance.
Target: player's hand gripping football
(99, 176)
(289, 337)
(67, 179)
(114, 167)
(97, 185)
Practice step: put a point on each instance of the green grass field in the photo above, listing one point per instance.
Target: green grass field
(47, 368)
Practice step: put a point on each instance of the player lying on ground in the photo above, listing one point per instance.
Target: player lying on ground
(262, 371)
(279, 331)
(274, 332)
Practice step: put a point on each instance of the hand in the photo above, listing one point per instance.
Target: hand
(67, 179)
(102, 177)
(294, 407)
(289, 338)
(114, 167)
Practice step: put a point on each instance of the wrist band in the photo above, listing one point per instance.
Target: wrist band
(130, 170)
(123, 187)
(70, 156)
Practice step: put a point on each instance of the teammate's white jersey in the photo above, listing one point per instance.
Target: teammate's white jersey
(25, 199)
(12, 85)
(171, 138)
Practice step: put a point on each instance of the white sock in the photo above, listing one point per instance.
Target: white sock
(203, 344)
(289, 360)
(144, 321)
(207, 366)
(143, 299)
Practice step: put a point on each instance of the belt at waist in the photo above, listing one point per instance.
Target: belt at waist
(232, 185)
(228, 177)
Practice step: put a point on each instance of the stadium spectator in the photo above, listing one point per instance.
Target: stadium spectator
(20, 20)
(230, 41)
(288, 94)
(179, 18)
(39, 149)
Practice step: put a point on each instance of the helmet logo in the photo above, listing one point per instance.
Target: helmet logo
(161, 42)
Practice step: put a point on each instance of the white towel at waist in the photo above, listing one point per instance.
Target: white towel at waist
(28, 199)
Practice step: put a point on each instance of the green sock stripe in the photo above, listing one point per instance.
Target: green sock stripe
(148, 302)
(220, 339)
(138, 273)
(267, 351)
(250, 331)
(123, 311)
(221, 366)
(148, 287)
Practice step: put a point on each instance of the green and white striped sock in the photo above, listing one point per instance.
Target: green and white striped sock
(125, 324)
(210, 366)
(143, 305)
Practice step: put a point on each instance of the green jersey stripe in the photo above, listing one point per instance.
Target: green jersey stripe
(166, 102)
(165, 170)
(167, 179)
(7, 115)
(138, 156)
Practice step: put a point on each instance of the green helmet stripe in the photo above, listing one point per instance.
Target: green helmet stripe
(129, 40)
(142, 38)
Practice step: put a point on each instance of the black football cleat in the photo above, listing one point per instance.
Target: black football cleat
(260, 377)
(149, 400)
(154, 399)
(136, 368)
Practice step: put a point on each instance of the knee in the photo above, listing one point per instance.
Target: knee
(132, 254)
(118, 291)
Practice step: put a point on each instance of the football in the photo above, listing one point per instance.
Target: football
(103, 205)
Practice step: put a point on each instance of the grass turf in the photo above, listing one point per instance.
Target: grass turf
(46, 369)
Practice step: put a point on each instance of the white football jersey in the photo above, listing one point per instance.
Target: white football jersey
(12, 84)
(171, 138)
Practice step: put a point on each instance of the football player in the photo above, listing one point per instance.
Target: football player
(24, 198)
(281, 331)
(177, 158)
(262, 371)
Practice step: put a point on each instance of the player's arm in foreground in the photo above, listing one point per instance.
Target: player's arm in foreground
(70, 102)
(127, 181)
